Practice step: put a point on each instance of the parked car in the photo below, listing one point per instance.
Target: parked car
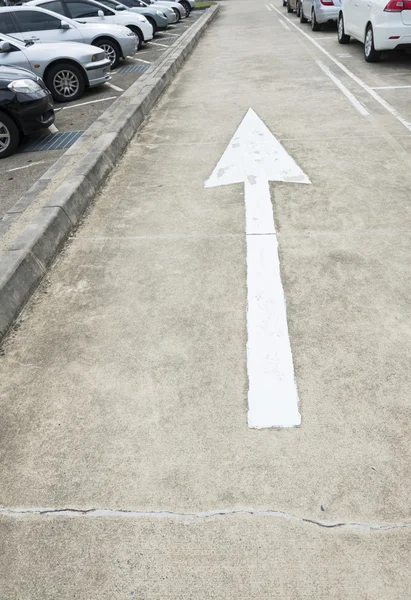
(173, 4)
(67, 68)
(188, 5)
(378, 24)
(26, 105)
(173, 14)
(157, 19)
(318, 12)
(89, 11)
(32, 23)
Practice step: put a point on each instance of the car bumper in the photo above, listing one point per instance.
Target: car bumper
(98, 72)
(326, 13)
(172, 17)
(162, 27)
(382, 35)
(129, 46)
(34, 111)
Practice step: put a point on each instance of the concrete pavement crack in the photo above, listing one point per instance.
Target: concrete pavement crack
(188, 518)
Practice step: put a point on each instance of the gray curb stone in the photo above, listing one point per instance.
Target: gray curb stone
(54, 205)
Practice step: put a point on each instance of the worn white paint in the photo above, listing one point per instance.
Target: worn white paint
(356, 103)
(284, 25)
(33, 164)
(268, 7)
(255, 157)
(89, 102)
(114, 87)
(147, 62)
(157, 44)
(392, 87)
(393, 111)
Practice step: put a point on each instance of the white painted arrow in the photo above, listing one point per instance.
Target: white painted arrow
(254, 156)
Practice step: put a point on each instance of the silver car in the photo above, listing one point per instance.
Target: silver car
(66, 68)
(318, 12)
(156, 18)
(31, 23)
(176, 6)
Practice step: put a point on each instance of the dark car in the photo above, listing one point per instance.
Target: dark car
(26, 105)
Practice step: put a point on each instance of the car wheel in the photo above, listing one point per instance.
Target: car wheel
(139, 34)
(186, 6)
(315, 26)
(65, 82)
(302, 17)
(177, 14)
(289, 9)
(153, 25)
(298, 10)
(9, 136)
(111, 48)
(343, 38)
(370, 53)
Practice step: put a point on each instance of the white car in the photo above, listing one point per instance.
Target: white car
(378, 24)
(34, 24)
(67, 68)
(187, 5)
(89, 11)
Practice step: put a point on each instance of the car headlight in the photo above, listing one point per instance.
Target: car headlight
(159, 13)
(142, 19)
(130, 33)
(26, 86)
(98, 57)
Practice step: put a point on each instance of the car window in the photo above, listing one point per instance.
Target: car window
(109, 3)
(7, 24)
(29, 20)
(54, 6)
(82, 10)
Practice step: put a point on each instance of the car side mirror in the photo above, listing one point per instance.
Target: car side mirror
(100, 14)
(64, 25)
(120, 7)
(5, 47)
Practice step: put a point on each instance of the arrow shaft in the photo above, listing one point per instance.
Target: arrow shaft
(272, 393)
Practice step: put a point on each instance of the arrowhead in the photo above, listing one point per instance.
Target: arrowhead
(255, 153)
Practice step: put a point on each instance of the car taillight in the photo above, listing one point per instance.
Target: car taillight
(398, 5)
(327, 2)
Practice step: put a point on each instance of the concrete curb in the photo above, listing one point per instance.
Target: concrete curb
(42, 220)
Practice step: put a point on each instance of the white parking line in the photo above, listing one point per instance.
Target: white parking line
(173, 34)
(147, 62)
(284, 25)
(33, 164)
(90, 102)
(53, 129)
(392, 87)
(114, 87)
(157, 44)
(356, 103)
(268, 8)
(393, 111)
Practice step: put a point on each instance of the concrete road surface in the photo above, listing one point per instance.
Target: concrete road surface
(128, 470)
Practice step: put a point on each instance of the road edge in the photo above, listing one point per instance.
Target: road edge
(63, 193)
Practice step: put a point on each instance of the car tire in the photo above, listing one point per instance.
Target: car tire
(65, 81)
(370, 53)
(343, 38)
(187, 7)
(298, 9)
(9, 136)
(284, 3)
(315, 26)
(139, 34)
(302, 17)
(153, 25)
(111, 48)
(177, 14)
(289, 9)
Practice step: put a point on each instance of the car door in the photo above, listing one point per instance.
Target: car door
(14, 57)
(87, 12)
(40, 26)
(307, 5)
(363, 13)
(9, 26)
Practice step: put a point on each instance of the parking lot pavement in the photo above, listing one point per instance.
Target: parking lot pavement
(19, 172)
(130, 469)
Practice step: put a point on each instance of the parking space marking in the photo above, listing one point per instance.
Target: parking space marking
(356, 103)
(114, 87)
(284, 25)
(393, 111)
(268, 8)
(89, 102)
(33, 164)
(173, 34)
(53, 129)
(392, 87)
(147, 62)
(157, 44)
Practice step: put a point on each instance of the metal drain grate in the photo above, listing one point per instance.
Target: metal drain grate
(51, 141)
(132, 69)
